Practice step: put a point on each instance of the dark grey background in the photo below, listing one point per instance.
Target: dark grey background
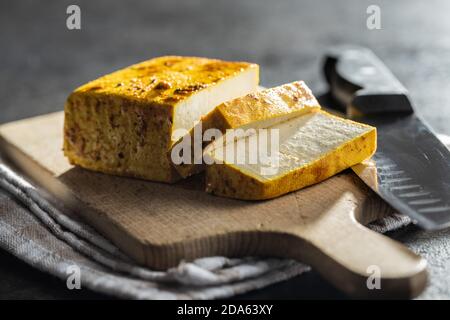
(41, 62)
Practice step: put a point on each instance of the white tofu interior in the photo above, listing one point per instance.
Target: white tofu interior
(189, 111)
(300, 140)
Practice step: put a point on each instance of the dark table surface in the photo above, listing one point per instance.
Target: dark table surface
(42, 61)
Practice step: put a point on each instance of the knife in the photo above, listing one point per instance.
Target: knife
(411, 167)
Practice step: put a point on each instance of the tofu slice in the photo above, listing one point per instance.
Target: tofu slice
(252, 111)
(311, 148)
(125, 123)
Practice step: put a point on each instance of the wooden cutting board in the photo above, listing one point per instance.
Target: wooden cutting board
(160, 224)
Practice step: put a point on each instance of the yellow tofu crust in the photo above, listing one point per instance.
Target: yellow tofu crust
(280, 102)
(164, 80)
(228, 181)
(264, 105)
(122, 122)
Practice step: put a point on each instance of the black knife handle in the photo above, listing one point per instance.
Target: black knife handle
(360, 81)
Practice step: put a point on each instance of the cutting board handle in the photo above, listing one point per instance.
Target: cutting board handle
(357, 260)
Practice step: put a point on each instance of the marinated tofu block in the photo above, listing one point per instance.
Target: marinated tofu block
(125, 123)
(307, 150)
(252, 111)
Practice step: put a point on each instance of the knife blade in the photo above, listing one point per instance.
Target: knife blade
(411, 167)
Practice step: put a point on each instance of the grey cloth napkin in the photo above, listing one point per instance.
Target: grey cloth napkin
(47, 239)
